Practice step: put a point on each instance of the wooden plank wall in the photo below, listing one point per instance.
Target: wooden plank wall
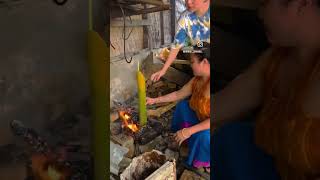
(133, 44)
(167, 27)
(156, 30)
(156, 35)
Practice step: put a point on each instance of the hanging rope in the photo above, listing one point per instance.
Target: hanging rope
(60, 2)
(123, 35)
(112, 46)
(124, 38)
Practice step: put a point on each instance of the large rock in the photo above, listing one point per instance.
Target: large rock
(125, 141)
(150, 166)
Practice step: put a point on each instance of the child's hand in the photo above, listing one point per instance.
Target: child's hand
(157, 75)
(151, 101)
(182, 135)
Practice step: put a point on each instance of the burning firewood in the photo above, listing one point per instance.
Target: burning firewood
(48, 163)
(128, 122)
(46, 168)
(30, 136)
(130, 126)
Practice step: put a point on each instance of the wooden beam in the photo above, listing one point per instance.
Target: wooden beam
(181, 61)
(116, 12)
(161, 110)
(119, 23)
(129, 3)
(152, 2)
(153, 9)
(243, 4)
(130, 7)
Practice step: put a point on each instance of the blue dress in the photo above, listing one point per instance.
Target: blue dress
(236, 156)
(198, 143)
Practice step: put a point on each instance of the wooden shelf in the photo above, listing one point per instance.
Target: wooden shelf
(131, 7)
(133, 23)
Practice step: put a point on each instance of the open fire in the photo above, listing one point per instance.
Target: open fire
(59, 162)
(127, 122)
(45, 168)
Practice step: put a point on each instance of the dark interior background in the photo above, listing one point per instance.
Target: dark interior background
(238, 39)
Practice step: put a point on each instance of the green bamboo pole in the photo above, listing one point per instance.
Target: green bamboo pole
(90, 24)
(142, 97)
(98, 61)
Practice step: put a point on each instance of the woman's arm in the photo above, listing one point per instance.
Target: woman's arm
(184, 92)
(185, 133)
(242, 95)
(172, 56)
(179, 41)
(204, 125)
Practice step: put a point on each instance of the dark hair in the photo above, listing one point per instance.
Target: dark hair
(202, 52)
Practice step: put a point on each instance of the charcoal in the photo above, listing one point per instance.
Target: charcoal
(30, 136)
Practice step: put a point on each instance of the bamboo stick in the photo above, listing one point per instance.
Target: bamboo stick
(142, 97)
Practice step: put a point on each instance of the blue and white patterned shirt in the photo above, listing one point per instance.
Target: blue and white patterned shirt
(192, 29)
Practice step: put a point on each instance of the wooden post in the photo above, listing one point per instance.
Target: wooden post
(161, 28)
(173, 18)
(145, 30)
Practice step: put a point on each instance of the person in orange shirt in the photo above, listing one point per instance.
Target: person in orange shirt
(191, 120)
(283, 85)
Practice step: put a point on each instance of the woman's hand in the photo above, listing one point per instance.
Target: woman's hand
(151, 101)
(182, 135)
(156, 76)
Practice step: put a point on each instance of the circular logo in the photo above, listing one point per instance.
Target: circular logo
(200, 44)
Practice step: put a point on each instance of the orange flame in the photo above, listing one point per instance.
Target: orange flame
(133, 127)
(44, 168)
(128, 122)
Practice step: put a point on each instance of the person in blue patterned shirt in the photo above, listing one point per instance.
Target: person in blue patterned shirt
(193, 28)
